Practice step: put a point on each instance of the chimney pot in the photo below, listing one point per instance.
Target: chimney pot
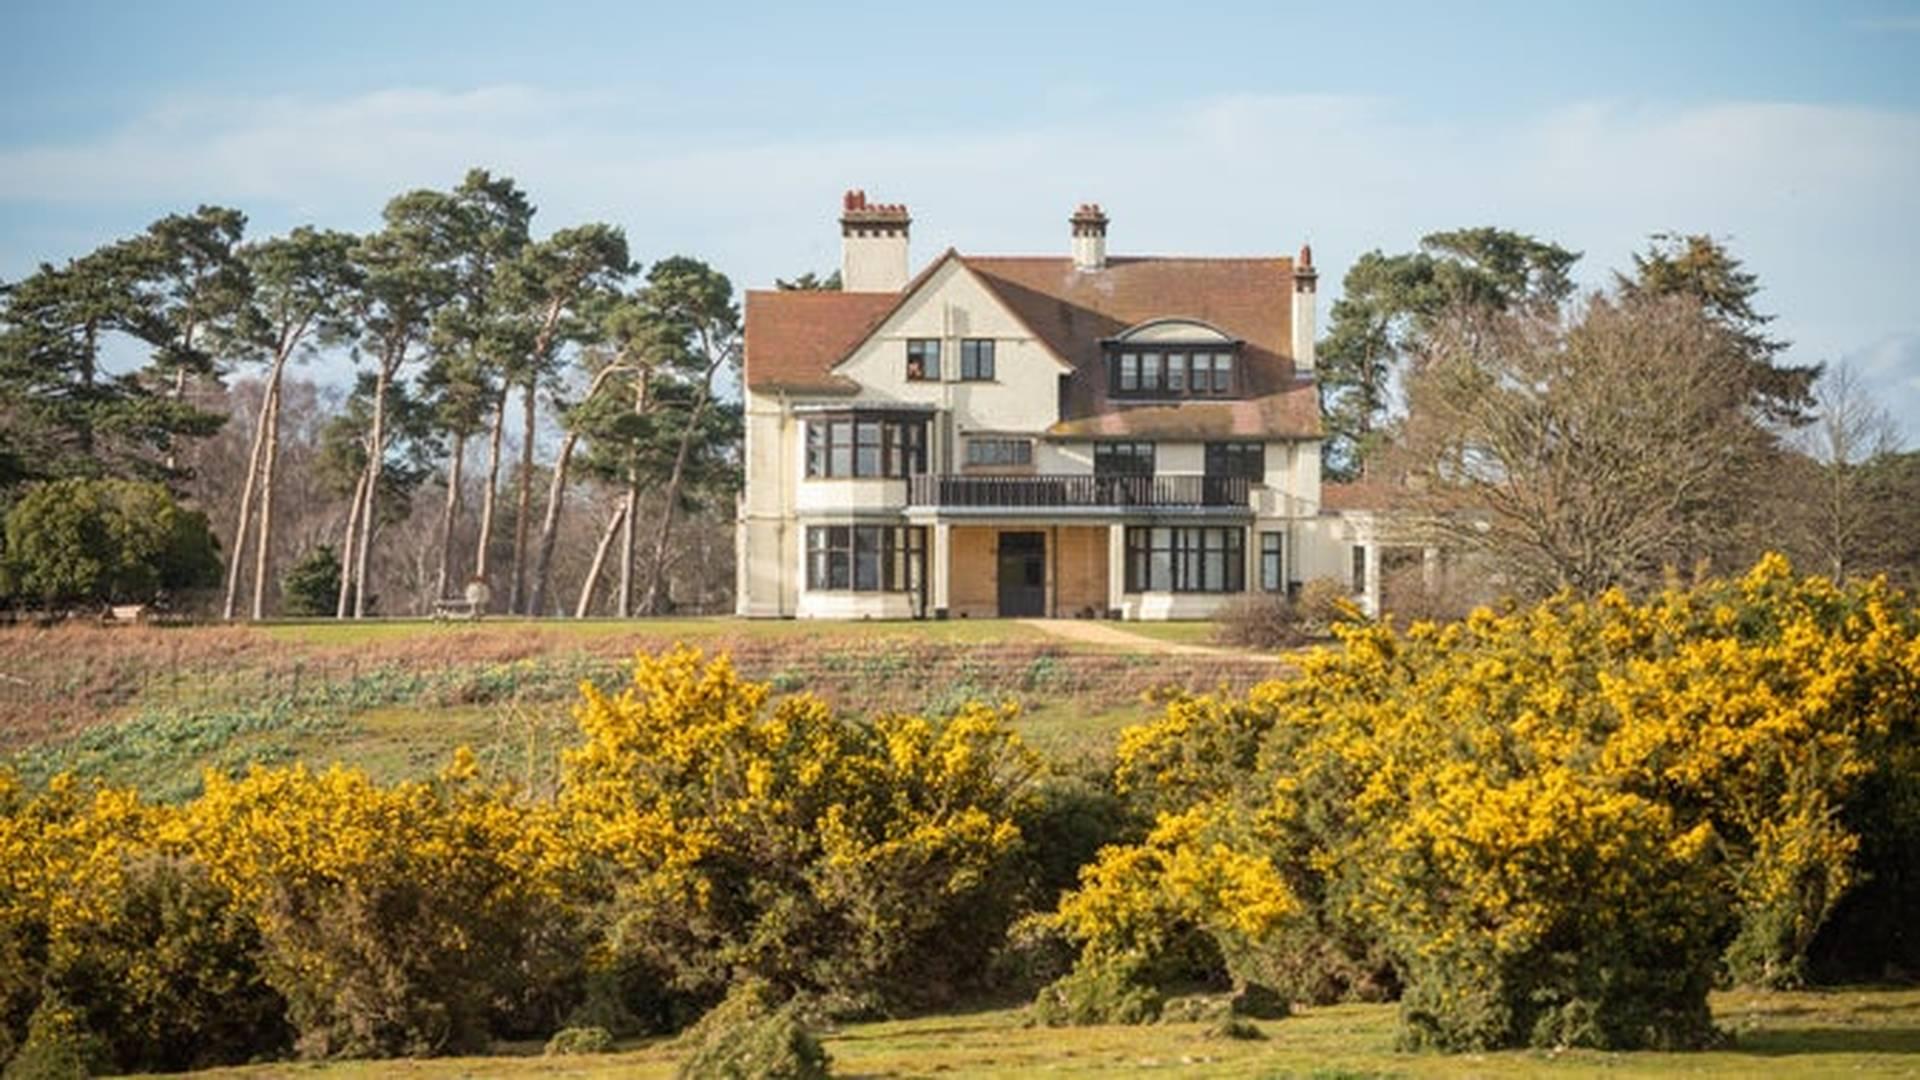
(1089, 230)
(873, 244)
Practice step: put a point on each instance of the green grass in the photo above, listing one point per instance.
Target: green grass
(1851, 1033)
(690, 629)
(1195, 632)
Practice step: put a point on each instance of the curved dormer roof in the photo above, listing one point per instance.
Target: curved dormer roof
(1176, 329)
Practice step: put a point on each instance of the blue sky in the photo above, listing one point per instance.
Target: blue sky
(728, 131)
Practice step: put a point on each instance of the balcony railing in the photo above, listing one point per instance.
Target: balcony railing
(1051, 492)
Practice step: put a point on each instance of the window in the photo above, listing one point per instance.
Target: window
(1359, 569)
(1150, 368)
(1123, 459)
(1222, 373)
(923, 359)
(1248, 459)
(866, 446)
(976, 359)
(990, 452)
(866, 558)
(1273, 564)
(1210, 559)
(1181, 372)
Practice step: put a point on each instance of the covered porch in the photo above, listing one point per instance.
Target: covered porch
(1022, 569)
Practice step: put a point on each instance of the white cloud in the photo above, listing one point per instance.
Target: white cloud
(1890, 369)
(1817, 199)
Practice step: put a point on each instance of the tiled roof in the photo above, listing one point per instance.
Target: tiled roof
(1361, 495)
(795, 336)
(794, 344)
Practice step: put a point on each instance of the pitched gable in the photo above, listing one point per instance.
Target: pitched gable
(793, 338)
(1075, 310)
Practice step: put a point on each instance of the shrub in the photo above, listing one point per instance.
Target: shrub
(1233, 1027)
(1550, 823)
(59, 1046)
(396, 921)
(311, 587)
(580, 1040)
(1260, 620)
(752, 1035)
(1111, 990)
(874, 862)
(102, 541)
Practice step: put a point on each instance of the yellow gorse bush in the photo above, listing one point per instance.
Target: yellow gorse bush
(863, 859)
(1560, 822)
(700, 833)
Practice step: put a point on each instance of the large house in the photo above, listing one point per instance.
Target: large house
(1080, 435)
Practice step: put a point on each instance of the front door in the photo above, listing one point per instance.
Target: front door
(1023, 574)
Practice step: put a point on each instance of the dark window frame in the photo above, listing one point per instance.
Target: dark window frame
(837, 446)
(1121, 457)
(866, 558)
(1244, 458)
(973, 351)
(1175, 370)
(1273, 561)
(923, 359)
(1186, 559)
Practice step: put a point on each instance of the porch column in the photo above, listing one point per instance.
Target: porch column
(1116, 567)
(1370, 602)
(942, 567)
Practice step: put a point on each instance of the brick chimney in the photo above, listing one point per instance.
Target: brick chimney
(1305, 281)
(873, 244)
(1089, 237)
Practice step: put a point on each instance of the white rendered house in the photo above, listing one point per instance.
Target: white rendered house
(1062, 436)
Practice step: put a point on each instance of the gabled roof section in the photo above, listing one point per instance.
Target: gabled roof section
(1074, 310)
(795, 336)
(795, 340)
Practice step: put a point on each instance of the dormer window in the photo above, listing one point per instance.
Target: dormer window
(1174, 358)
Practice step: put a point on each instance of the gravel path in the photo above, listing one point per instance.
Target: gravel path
(1088, 632)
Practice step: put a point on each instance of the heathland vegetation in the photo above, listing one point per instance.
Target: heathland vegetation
(1558, 825)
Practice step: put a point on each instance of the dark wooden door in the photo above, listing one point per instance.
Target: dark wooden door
(1023, 574)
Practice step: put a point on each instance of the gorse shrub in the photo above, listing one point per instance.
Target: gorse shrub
(394, 920)
(873, 862)
(1554, 826)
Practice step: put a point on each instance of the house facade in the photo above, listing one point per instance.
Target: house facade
(1079, 435)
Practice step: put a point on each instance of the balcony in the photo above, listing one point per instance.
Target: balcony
(1079, 492)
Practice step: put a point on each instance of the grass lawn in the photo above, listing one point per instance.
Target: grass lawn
(1193, 632)
(1851, 1032)
(692, 629)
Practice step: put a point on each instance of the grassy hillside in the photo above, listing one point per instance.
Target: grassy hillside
(155, 706)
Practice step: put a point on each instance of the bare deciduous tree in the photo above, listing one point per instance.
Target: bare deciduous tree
(1842, 512)
(1585, 448)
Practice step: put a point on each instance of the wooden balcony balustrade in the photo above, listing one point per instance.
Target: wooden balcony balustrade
(1076, 490)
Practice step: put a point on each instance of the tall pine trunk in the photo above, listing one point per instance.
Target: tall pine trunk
(657, 579)
(480, 568)
(376, 457)
(346, 549)
(588, 587)
(270, 456)
(449, 514)
(240, 528)
(550, 525)
(523, 506)
(632, 507)
(556, 497)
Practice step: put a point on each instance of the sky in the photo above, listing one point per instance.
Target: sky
(728, 132)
